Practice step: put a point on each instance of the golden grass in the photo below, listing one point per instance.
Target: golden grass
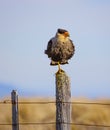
(81, 113)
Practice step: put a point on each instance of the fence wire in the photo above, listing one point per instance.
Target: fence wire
(53, 123)
(53, 102)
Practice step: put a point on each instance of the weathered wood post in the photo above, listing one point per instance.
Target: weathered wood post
(63, 98)
(15, 116)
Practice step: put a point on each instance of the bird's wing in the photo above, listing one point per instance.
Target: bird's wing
(71, 49)
(49, 47)
(73, 46)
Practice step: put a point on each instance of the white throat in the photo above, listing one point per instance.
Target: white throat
(62, 38)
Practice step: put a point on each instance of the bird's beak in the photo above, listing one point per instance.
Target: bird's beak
(66, 34)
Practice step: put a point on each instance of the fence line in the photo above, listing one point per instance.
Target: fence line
(53, 123)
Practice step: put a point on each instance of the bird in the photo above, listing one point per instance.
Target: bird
(60, 48)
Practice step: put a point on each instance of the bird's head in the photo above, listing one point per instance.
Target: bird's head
(63, 32)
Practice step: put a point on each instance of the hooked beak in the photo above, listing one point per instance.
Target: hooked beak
(66, 34)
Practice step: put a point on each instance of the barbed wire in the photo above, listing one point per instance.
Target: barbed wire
(53, 102)
(53, 123)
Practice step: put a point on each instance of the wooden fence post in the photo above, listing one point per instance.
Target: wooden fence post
(63, 98)
(15, 116)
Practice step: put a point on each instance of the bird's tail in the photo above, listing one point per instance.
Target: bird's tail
(53, 63)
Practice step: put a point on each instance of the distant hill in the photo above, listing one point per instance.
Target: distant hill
(5, 89)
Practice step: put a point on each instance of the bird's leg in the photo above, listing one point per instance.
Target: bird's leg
(59, 69)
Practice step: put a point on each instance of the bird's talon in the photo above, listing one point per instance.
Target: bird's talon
(60, 71)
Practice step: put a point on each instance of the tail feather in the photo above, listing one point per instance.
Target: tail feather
(53, 63)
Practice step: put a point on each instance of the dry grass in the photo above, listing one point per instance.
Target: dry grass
(83, 113)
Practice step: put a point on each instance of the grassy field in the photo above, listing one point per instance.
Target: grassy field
(81, 113)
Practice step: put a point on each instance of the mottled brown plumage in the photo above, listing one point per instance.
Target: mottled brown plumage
(60, 48)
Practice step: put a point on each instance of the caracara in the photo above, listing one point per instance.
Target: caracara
(60, 48)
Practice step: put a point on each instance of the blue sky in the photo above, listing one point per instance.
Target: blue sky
(27, 25)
